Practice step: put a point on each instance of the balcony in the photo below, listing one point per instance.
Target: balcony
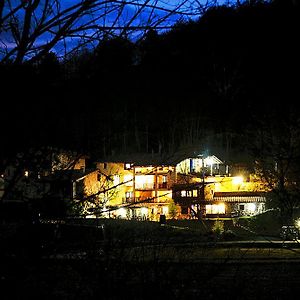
(145, 186)
(126, 200)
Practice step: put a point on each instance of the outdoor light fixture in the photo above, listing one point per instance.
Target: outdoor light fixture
(237, 180)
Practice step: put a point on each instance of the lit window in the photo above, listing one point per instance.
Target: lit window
(127, 166)
(128, 180)
(183, 193)
(122, 212)
(165, 210)
(26, 173)
(194, 193)
(144, 181)
(251, 207)
(215, 208)
(116, 180)
(129, 194)
(144, 211)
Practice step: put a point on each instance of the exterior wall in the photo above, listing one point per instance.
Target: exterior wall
(146, 188)
(80, 164)
(210, 164)
(190, 165)
(189, 195)
(91, 183)
(115, 175)
(233, 184)
(247, 209)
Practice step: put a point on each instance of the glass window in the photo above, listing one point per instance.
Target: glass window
(215, 208)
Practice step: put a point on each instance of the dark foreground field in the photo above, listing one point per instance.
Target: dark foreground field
(76, 279)
(144, 260)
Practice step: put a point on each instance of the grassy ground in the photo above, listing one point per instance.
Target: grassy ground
(143, 260)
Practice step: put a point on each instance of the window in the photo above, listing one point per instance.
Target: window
(242, 207)
(116, 180)
(128, 180)
(144, 182)
(215, 209)
(104, 166)
(189, 193)
(127, 166)
(129, 195)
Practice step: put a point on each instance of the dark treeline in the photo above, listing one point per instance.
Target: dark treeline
(208, 81)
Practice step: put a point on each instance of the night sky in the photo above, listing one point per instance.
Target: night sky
(202, 81)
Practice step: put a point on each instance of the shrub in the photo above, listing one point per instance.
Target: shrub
(218, 227)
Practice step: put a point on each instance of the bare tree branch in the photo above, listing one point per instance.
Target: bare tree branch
(30, 29)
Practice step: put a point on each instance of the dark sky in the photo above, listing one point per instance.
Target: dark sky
(209, 78)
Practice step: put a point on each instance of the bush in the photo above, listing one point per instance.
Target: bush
(218, 227)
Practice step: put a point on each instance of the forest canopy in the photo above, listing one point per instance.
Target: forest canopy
(209, 80)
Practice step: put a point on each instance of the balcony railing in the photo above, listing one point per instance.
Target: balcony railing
(151, 186)
(145, 186)
(130, 200)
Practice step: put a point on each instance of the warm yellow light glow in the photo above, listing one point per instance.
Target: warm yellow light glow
(144, 211)
(26, 173)
(116, 180)
(237, 180)
(144, 181)
(251, 207)
(215, 208)
(209, 161)
(128, 179)
(122, 212)
(165, 210)
(127, 166)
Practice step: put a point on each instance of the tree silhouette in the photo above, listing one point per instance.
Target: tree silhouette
(30, 29)
(275, 148)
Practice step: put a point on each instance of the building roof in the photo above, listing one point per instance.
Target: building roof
(239, 197)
